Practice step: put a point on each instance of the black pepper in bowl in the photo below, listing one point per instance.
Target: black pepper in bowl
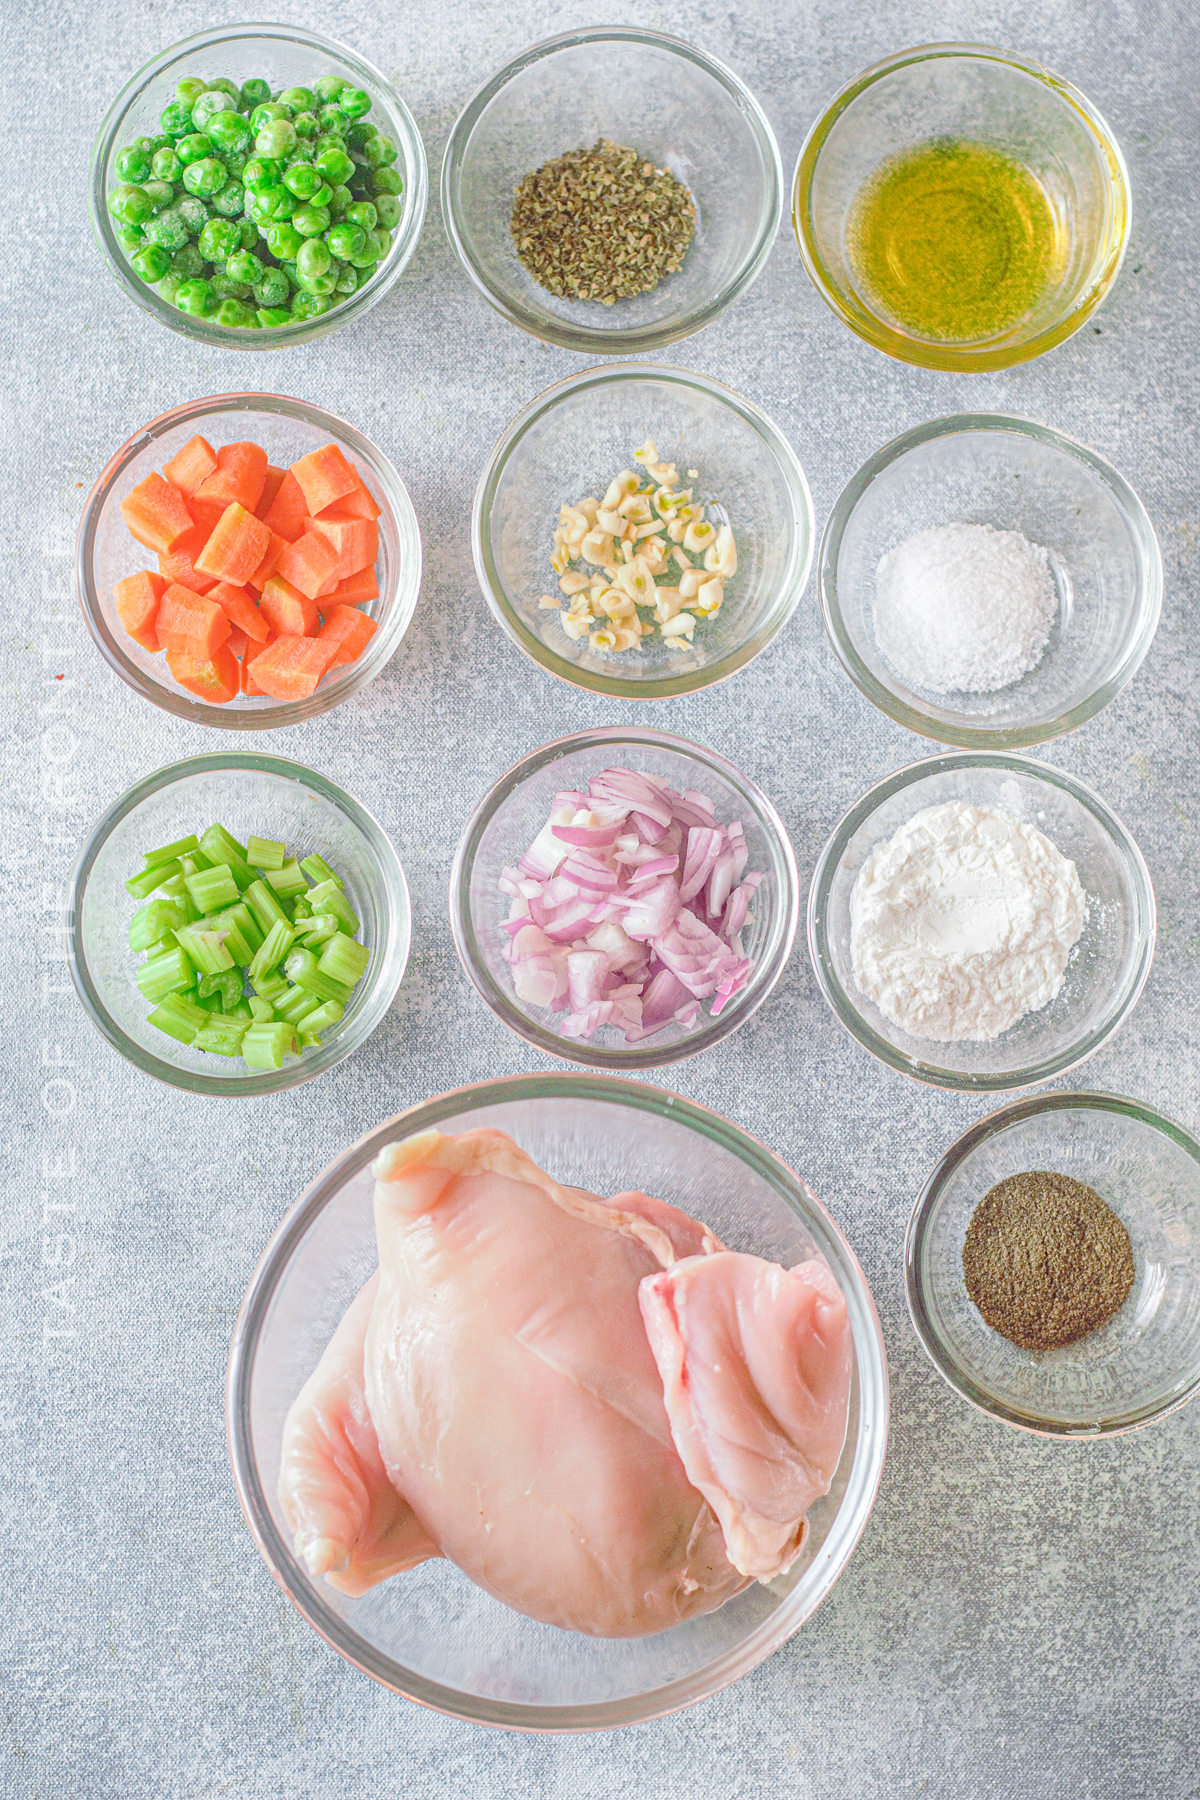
(602, 224)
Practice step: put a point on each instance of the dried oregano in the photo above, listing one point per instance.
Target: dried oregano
(602, 224)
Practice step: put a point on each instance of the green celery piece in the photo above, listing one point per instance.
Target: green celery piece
(317, 869)
(265, 853)
(178, 1017)
(221, 847)
(152, 922)
(275, 947)
(287, 881)
(240, 1011)
(325, 1016)
(221, 1036)
(144, 884)
(263, 904)
(194, 861)
(211, 1004)
(168, 941)
(309, 1040)
(261, 1011)
(211, 889)
(228, 984)
(265, 1046)
(329, 899)
(317, 929)
(170, 973)
(169, 852)
(206, 949)
(301, 910)
(241, 920)
(344, 960)
(236, 942)
(272, 986)
(176, 890)
(296, 1005)
(301, 968)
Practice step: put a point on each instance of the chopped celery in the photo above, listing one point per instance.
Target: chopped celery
(261, 1011)
(264, 905)
(213, 888)
(206, 949)
(236, 941)
(220, 1035)
(168, 941)
(274, 948)
(194, 861)
(228, 984)
(220, 847)
(265, 1046)
(176, 890)
(317, 929)
(169, 852)
(143, 884)
(153, 921)
(317, 869)
(265, 853)
(240, 1011)
(170, 973)
(178, 1017)
(301, 967)
(296, 1005)
(271, 986)
(287, 881)
(329, 899)
(323, 1018)
(241, 920)
(345, 960)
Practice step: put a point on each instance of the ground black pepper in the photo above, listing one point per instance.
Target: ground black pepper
(602, 224)
(1045, 1260)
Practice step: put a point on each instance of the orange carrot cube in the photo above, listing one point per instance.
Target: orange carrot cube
(191, 465)
(249, 685)
(288, 512)
(287, 611)
(359, 503)
(290, 668)
(362, 586)
(236, 547)
(324, 476)
(238, 606)
(179, 565)
(270, 562)
(190, 623)
(136, 599)
(271, 485)
(216, 677)
(310, 564)
(156, 513)
(350, 631)
(240, 475)
(355, 540)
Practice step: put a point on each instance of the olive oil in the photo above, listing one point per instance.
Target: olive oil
(955, 241)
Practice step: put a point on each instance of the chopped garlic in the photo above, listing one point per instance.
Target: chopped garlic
(573, 582)
(721, 558)
(549, 603)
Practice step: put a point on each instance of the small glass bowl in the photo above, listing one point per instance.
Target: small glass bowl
(984, 95)
(260, 794)
(569, 443)
(1145, 1362)
(432, 1634)
(511, 814)
(286, 429)
(984, 468)
(1108, 966)
(287, 56)
(680, 108)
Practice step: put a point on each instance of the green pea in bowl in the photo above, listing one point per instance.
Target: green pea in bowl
(257, 186)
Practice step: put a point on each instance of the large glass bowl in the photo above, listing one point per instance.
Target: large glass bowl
(1145, 1361)
(568, 444)
(988, 96)
(286, 56)
(271, 798)
(511, 814)
(432, 1634)
(1108, 966)
(286, 429)
(985, 469)
(675, 104)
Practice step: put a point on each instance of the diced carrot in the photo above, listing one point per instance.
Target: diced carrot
(362, 586)
(350, 630)
(190, 623)
(310, 564)
(136, 599)
(236, 547)
(191, 465)
(355, 540)
(156, 513)
(288, 511)
(249, 685)
(216, 677)
(290, 668)
(179, 564)
(240, 475)
(270, 488)
(324, 476)
(359, 503)
(206, 512)
(236, 643)
(269, 563)
(239, 608)
(287, 611)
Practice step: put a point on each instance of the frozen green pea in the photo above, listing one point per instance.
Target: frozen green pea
(189, 90)
(195, 297)
(340, 200)
(378, 152)
(284, 240)
(235, 162)
(165, 166)
(388, 209)
(169, 286)
(273, 204)
(249, 233)
(306, 127)
(311, 220)
(205, 177)
(271, 316)
(187, 262)
(223, 85)
(160, 193)
(268, 114)
(310, 306)
(194, 210)
(229, 133)
(387, 181)
(130, 204)
(335, 166)
(288, 271)
(300, 99)
(354, 102)
(170, 229)
(218, 240)
(229, 200)
(347, 281)
(209, 103)
(243, 266)
(176, 120)
(329, 87)
(133, 164)
(360, 133)
(313, 260)
(346, 240)
(226, 288)
(254, 93)
(272, 289)
(131, 237)
(152, 262)
(365, 273)
(275, 139)
(333, 122)
(193, 148)
(231, 312)
(363, 213)
(261, 172)
(302, 179)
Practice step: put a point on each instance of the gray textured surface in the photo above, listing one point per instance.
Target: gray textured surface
(1021, 1618)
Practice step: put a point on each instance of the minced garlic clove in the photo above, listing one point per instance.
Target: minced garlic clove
(690, 583)
(597, 547)
(698, 536)
(574, 626)
(573, 582)
(549, 603)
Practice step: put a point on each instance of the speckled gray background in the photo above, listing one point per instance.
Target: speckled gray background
(1020, 1618)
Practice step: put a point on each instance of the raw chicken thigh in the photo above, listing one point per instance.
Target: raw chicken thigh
(604, 1417)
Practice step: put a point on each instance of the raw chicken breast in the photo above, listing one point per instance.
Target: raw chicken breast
(755, 1364)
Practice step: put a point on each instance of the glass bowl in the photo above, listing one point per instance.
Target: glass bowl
(1142, 1364)
(260, 794)
(683, 110)
(511, 814)
(983, 468)
(286, 56)
(286, 429)
(569, 443)
(432, 1634)
(1010, 104)
(1108, 966)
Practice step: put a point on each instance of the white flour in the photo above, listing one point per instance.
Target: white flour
(963, 923)
(964, 608)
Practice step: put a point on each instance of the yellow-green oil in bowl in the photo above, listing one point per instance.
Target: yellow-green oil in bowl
(955, 241)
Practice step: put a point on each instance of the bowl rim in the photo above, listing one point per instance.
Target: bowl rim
(947, 357)
(943, 731)
(505, 1006)
(1061, 1100)
(932, 1074)
(234, 337)
(596, 340)
(390, 962)
(791, 586)
(870, 1357)
(285, 712)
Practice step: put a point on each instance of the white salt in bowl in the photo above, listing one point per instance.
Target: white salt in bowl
(1107, 969)
(986, 469)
